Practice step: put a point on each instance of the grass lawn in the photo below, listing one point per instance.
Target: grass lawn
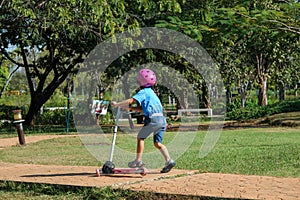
(34, 196)
(268, 151)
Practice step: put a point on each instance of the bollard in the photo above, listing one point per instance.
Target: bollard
(18, 121)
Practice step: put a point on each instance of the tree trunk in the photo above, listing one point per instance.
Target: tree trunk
(178, 103)
(281, 91)
(243, 98)
(125, 86)
(39, 97)
(262, 65)
(243, 93)
(262, 92)
(185, 99)
(276, 92)
(228, 95)
(34, 108)
(205, 96)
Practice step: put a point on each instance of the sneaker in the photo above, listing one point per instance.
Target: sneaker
(168, 166)
(135, 164)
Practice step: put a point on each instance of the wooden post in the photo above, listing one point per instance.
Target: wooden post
(21, 133)
(18, 121)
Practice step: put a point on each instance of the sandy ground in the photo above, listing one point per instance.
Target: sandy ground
(176, 182)
(7, 142)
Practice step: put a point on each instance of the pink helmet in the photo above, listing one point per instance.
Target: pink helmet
(146, 77)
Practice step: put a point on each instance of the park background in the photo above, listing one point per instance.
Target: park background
(255, 45)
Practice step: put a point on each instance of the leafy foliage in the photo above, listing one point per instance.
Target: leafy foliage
(253, 42)
(6, 111)
(254, 112)
(4, 71)
(52, 37)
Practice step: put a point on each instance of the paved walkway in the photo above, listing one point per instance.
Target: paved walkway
(176, 182)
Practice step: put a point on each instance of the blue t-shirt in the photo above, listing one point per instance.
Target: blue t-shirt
(149, 101)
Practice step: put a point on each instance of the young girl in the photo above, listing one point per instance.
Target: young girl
(154, 121)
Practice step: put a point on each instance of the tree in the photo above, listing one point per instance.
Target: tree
(285, 73)
(53, 37)
(165, 14)
(191, 21)
(259, 26)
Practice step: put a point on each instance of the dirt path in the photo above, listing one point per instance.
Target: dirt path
(7, 142)
(176, 182)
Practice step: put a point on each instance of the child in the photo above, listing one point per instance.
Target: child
(154, 121)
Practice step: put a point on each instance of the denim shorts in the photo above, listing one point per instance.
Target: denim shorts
(155, 125)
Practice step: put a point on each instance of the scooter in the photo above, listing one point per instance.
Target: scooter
(109, 168)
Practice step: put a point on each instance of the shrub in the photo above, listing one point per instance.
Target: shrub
(6, 111)
(255, 112)
(55, 117)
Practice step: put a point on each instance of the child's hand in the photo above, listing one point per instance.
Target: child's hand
(114, 104)
(125, 107)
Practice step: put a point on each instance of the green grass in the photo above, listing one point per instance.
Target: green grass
(37, 196)
(62, 151)
(269, 151)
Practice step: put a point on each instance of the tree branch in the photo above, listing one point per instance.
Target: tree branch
(28, 74)
(1, 3)
(7, 81)
(4, 52)
(287, 27)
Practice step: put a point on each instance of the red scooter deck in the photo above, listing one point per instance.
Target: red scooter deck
(142, 171)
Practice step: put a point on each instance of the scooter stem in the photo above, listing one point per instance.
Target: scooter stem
(114, 134)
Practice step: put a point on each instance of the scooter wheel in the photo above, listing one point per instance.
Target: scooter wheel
(144, 172)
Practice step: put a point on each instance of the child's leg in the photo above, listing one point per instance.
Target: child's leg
(163, 149)
(158, 136)
(169, 162)
(139, 152)
(143, 133)
(139, 149)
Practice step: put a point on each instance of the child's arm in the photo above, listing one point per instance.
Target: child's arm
(123, 103)
(136, 109)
